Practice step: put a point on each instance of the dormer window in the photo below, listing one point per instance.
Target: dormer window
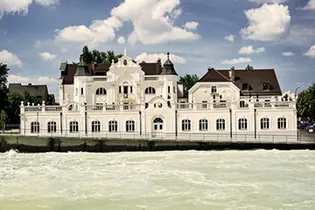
(125, 62)
(266, 86)
(245, 86)
(213, 89)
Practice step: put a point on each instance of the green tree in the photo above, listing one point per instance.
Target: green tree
(248, 67)
(3, 85)
(98, 57)
(306, 104)
(86, 55)
(14, 99)
(188, 81)
(3, 119)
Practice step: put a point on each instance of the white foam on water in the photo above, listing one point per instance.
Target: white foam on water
(162, 180)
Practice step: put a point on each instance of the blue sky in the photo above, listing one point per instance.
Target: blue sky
(36, 35)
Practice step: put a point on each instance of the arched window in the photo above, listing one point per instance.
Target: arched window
(242, 124)
(264, 123)
(220, 124)
(282, 123)
(96, 126)
(186, 125)
(35, 127)
(51, 127)
(74, 126)
(101, 91)
(149, 90)
(203, 124)
(130, 126)
(113, 126)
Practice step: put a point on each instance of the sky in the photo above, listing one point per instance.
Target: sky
(36, 35)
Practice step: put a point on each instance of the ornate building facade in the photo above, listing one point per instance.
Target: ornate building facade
(144, 100)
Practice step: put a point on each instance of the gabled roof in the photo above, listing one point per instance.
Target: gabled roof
(254, 78)
(33, 90)
(214, 76)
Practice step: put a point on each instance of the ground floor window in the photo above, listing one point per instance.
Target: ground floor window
(264, 123)
(282, 123)
(203, 124)
(74, 126)
(242, 124)
(35, 127)
(52, 127)
(96, 126)
(220, 124)
(113, 126)
(130, 126)
(186, 125)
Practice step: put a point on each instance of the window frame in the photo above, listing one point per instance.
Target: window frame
(112, 126)
(265, 123)
(73, 127)
(203, 125)
(35, 127)
(101, 91)
(186, 125)
(220, 124)
(96, 126)
(51, 127)
(149, 90)
(242, 124)
(282, 123)
(130, 126)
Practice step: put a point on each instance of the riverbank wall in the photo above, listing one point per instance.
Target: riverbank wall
(31, 144)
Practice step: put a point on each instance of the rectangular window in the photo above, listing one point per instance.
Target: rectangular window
(130, 89)
(213, 97)
(81, 91)
(245, 86)
(169, 89)
(125, 89)
(119, 89)
(204, 104)
(213, 89)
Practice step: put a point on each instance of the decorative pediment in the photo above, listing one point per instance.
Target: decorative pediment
(125, 62)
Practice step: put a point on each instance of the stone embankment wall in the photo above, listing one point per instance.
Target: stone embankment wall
(45, 144)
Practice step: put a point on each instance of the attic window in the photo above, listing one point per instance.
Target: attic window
(125, 62)
(266, 86)
(245, 86)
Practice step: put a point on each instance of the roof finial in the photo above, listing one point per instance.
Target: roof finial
(125, 52)
(168, 55)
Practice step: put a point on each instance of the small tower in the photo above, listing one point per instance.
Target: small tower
(82, 69)
(168, 67)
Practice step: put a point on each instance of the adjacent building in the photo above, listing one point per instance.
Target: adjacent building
(135, 100)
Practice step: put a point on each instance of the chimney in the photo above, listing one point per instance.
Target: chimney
(232, 75)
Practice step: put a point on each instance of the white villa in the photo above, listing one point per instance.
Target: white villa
(128, 99)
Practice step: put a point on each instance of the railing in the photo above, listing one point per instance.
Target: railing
(299, 137)
(179, 106)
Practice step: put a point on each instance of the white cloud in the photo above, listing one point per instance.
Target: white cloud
(288, 54)
(267, 23)
(121, 40)
(250, 50)
(267, 1)
(310, 5)
(21, 6)
(10, 59)
(311, 52)
(47, 2)
(153, 21)
(47, 56)
(34, 80)
(237, 61)
(99, 32)
(152, 58)
(230, 38)
(191, 25)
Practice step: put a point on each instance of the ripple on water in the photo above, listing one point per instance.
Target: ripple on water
(163, 180)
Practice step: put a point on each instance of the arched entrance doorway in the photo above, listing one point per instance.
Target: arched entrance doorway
(157, 127)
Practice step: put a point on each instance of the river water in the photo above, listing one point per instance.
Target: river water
(160, 180)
